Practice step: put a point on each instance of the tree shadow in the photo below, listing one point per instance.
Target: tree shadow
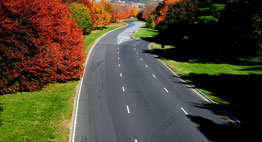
(220, 132)
(101, 28)
(208, 53)
(241, 91)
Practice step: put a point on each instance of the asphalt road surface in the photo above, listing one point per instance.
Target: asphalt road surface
(128, 95)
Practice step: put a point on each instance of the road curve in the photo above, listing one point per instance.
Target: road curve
(128, 95)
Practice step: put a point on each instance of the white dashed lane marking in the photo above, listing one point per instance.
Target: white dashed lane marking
(154, 75)
(166, 90)
(123, 89)
(127, 108)
(184, 110)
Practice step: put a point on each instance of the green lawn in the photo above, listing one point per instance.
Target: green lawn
(43, 115)
(40, 116)
(145, 32)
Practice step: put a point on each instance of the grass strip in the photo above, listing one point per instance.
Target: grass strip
(145, 32)
(40, 116)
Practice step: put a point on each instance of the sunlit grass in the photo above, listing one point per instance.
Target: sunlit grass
(40, 116)
(145, 32)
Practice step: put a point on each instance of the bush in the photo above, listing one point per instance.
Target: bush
(81, 14)
(39, 44)
(150, 22)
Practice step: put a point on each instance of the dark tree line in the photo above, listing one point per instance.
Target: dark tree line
(231, 27)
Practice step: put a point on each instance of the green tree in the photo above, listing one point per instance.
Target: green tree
(81, 14)
(179, 20)
(150, 22)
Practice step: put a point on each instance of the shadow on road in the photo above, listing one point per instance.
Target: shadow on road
(220, 133)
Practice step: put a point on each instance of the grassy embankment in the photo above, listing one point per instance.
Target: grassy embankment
(231, 82)
(43, 115)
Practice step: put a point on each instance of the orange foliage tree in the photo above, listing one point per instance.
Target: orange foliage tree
(109, 8)
(100, 17)
(135, 10)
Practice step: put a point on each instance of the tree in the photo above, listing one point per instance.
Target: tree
(149, 9)
(179, 19)
(109, 9)
(39, 44)
(162, 9)
(135, 11)
(99, 16)
(243, 20)
(150, 22)
(122, 11)
(80, 13)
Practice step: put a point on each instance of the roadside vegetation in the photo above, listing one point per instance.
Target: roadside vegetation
(43, 115)
(145, 32)
(215, 45)
(42, 56)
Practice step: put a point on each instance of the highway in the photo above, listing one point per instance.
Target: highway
(128, 95)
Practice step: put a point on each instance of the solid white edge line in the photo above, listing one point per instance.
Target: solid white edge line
(184, 111)
(166, 90)
(128, 111)
(76, 104)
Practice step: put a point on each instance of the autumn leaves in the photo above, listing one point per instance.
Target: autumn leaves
(100, 13)
(41, 41)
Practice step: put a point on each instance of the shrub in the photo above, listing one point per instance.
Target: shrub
(39, 44)
(150, 22)
(81, 14)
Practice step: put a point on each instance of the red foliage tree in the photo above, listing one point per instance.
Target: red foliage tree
(39, 44)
